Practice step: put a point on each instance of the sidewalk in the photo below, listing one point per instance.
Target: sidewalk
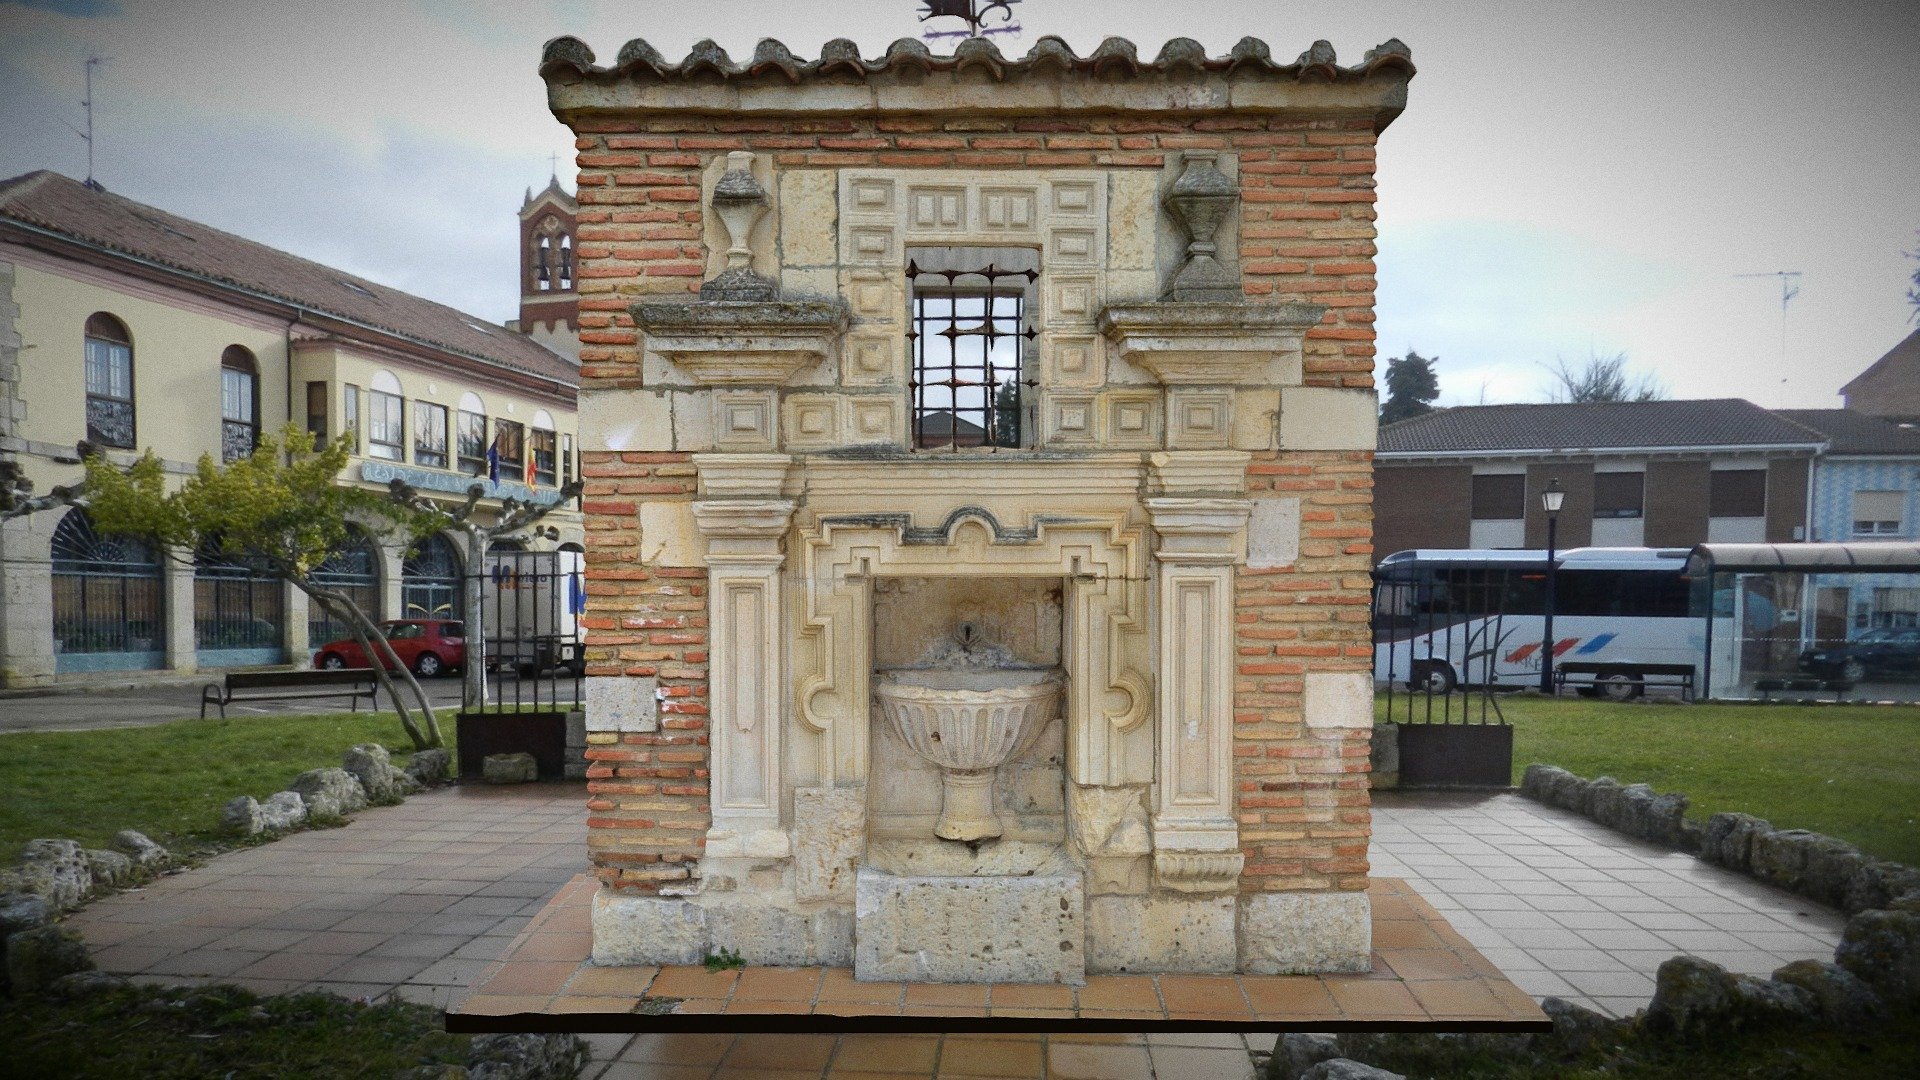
(420, 899)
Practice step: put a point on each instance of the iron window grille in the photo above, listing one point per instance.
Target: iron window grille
(971, 340)
(239, 405)
(355, 572)
(109, 374)
(107, 591)
(237, 603)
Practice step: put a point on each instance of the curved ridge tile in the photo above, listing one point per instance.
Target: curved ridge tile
(1391, 53)
(1251, 52)
(1051, 50)
(566, 52)
(982, 53)
(908, 52)
(771, 55)
(638, 55)
(707, 55)
(1319, 60)
(1182, 54)
(841, 54)
(1115, 54)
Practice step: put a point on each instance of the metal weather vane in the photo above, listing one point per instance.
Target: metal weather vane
(974, 12)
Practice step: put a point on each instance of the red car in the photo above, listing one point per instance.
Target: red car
(428, 646)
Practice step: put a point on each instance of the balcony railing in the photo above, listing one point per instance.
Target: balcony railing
(110, 421)
(237, 440)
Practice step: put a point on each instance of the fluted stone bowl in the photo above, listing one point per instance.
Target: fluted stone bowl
(969, 723)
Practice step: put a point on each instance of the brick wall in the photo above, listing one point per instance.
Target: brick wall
(1306, 233)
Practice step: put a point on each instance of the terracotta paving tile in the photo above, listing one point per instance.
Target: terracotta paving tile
(1375, 999)
(687, 981)
(750, 1007)
(1389, 934)
(612, 980)
(768, 1052)
(1015, 1056)
(778, 984)
(529, 978)
(570, 1003)
(641, 1070)
(1289, 996)
(547, 945)
(678, 1048)
(1095, 1038)
(922, 1010)
(1030, 996)
(839, 985)
(837, 1073)
(1123, 1014)
(766, 1074)
(887, 1053)
(1079, 1061)
(972, 995)
(701, 1005)
(503, 1005)
(1056, 1014)
(1412, 964)
(1187, 994)
(1119, 992)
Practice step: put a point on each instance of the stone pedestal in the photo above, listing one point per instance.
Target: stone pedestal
(970, 929)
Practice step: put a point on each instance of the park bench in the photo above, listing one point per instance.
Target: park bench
(1799, 689)
(351, 683)
(1679, 676)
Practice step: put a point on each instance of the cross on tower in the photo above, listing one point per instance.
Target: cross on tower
(554, 163)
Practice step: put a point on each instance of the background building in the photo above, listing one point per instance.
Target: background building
(138, 329)
(1890, 388)
(549, 300)
(1654, 473)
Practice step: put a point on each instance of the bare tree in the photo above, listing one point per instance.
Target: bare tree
(1601, 378)
(517, 516)
(16, 489)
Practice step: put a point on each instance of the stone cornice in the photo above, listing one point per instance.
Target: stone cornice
(978, 79)
(1209, 344)
(742, 343)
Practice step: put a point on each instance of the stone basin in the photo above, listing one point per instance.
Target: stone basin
(968, 722)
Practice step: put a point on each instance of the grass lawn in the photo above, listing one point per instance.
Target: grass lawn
(1847, 771)
(170, 780)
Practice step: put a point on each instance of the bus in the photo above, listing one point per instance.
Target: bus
(1445, 619)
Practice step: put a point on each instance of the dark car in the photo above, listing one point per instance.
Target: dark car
(1876, 654)
(428, 646)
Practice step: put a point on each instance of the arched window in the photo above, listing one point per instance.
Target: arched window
(239, 404)
(109, 381)
(566, 262)
(543, 265)
(470, 434)
(386, 418)
(107, 600)
(238, 610)
(355, 571)
(430, 585)
(543, 444)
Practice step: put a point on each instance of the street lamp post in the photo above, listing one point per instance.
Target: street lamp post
(1550, 501)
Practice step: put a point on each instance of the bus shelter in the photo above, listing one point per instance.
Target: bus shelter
(1810, 620)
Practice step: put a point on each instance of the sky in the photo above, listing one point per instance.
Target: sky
(1570, 179)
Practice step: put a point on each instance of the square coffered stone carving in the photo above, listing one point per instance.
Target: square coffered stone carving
(1073, 361)
(1074, 197)
(1007, 208)
(1198, 419)
(1070, 418)
(871, 360)
(743, 419)
(1131, 420)
(937, 208)
(812, 420)
(875, 420)
(871, 195)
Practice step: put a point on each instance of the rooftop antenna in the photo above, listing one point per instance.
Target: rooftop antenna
(974, 13)
(86, 136)
(1789, 288)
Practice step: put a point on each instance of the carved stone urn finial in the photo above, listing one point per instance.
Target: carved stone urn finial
(739, 202)
(1199, 201)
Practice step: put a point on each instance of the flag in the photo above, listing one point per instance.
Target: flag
(493, 460)
(577, 595)
(526, 468)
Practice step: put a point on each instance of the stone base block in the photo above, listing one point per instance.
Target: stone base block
(1134, 934)
(1301, 933)
(684, 930)
(958, 929)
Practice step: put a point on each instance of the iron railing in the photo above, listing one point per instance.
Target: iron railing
(1437, 633)
(107, 591)
(530, 607)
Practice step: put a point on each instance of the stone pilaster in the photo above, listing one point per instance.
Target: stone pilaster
(1200, 521)
(176, 579)
(744, 521)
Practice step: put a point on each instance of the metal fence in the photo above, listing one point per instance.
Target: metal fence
(530, 605)
(1437, 632)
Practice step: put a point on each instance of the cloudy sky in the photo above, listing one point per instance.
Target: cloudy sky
(1568, 179)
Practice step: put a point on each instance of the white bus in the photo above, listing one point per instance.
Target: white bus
(1444, 619)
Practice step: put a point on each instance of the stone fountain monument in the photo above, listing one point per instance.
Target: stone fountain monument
(978, 455)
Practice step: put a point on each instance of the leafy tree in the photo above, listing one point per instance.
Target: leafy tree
(1601, 378)
(1411, 387)
(282, 509)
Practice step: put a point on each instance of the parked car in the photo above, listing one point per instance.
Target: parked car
(1876, 654)
(429, 646)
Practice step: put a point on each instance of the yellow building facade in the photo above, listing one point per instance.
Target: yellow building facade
(137, 330)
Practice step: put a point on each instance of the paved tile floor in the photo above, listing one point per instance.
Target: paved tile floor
(1569, 908)
(419, 899)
